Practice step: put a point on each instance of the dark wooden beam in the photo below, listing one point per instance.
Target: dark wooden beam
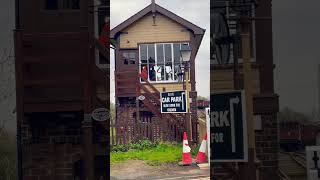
(53, 107)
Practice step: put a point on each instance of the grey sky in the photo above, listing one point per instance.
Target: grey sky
(296, 35)
(7, 82)
(197, 12)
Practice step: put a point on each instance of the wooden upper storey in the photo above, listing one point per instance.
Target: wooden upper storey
(154, 24)
(55, 57)
(150, 30)
(53, 15)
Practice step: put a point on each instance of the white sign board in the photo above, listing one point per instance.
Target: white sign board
(208, 131)
(313, 162)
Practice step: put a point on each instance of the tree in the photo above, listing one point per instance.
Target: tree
(289, 115)
(202, 98)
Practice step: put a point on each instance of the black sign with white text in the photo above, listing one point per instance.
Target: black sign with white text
(228, 134)
(174, 102)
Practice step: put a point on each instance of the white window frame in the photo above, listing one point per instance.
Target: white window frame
(156, 61)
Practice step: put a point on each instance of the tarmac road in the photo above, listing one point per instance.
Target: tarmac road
(136, 169)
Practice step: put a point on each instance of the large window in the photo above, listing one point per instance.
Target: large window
(161, 61)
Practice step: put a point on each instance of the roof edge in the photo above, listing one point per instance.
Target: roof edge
(196, 29)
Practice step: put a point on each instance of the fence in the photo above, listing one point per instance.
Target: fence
(152, 128)
(126, 132)
(7, 156)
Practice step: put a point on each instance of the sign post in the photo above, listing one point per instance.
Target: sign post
(174, 102)
(228, 127)
(313, 162)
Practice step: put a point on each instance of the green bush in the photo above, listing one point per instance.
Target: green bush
(143, 144)
(119, 148)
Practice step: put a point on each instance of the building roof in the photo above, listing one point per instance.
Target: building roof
(157, 9)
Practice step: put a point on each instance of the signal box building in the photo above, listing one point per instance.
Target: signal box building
(148, 62)
(60, 80)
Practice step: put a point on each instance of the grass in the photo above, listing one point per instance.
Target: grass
(160, 154)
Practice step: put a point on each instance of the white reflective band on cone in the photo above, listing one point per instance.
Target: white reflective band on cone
(203, 146)
(186, 148)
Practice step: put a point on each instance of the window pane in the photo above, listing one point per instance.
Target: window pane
(132, 58)
(168, 53)
(159, 70)
(144, 71)
(125, 58)
(168, 62)
(152, 61)
(132, 55)
(160, 56)
(176, 53)
(143, 53)
(152, 72)
(51, 4)
(178, 75)
(151, 53)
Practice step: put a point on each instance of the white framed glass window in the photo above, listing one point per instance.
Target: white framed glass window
(161, 61)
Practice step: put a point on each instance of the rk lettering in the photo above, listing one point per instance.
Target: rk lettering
(219, 119)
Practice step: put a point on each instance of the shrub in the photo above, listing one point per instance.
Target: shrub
(142, 145)
(119, 148)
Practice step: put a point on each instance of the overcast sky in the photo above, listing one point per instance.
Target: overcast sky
(197, 12)
(7, 82)
(296, 38)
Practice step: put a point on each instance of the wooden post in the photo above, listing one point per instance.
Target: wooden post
(245, 37)
(87, 147)
(187, 115)
(138, 106)
(18, 34)
(87, 94)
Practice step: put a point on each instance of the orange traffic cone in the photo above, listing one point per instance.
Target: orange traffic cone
(186, 156)
(201, 157)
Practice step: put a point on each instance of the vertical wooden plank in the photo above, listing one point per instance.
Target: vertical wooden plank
(150, 129)
(87, 92)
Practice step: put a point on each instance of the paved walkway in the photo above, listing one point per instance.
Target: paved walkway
(136, 169)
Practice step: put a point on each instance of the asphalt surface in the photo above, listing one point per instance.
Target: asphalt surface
(136, 169)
